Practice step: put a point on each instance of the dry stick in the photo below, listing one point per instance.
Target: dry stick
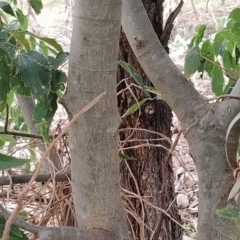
(14, 214)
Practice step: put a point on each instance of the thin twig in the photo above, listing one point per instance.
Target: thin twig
(224, 96)
(14, 214)
(21, 134)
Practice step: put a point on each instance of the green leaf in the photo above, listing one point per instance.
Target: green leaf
(59, 80)
(8, 44)
(134, 108)
(208, 53)
(5, 73)
(217, 79)
(36, 5)
(235, 15)
(21, 39)
(219, 41)
(229, 212)
(41, 112)
(22, 19)
(15, 233)
(52, 42)
(126, 157)
(35, 73)
(133, 73)
(61, 58)
(234, 190)
(32, 41)
(6, 7)
(43, 48)
(8, 162)
(18, 86)
(192, 61)
(43, 129)
(5, 138)
(230, 65)
(200, 34)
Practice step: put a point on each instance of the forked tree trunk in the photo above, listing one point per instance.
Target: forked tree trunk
(151, 169)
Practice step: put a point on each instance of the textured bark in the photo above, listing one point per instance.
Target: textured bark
(205, 124)
(150, 169)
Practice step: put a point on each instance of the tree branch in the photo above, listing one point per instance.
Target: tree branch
(59, 233)
(43, 177)
(21, 134)
(175, 89)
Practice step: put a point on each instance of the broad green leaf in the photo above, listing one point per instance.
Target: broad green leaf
(192, 61)
(230, 43)
(236, 34)
(18, 86)
(10, 98)
(133, 73)
(15, 233)
(36, 5)
(8, 162)
(35, 73)
(134, 108)
(237, 54)
(22, 19)
(43, 129)
(217, 79)
(199, 35)
(41, 112)
(229, 212)
(5, 138)
(43, 48)
(5, 73)
(8, 44)
(235, 15)
(230, 23)
(32, 41)
(61, 58)
(219, 41)
(126, 157)
(52, 42)
(21, 39)
(208, 53)
(230, 65)
(6, 7)
(59, 80)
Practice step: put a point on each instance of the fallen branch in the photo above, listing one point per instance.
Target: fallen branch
(42, 177)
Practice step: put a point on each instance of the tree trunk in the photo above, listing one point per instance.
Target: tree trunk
(205, 125)
(151, 169)
(93, 138)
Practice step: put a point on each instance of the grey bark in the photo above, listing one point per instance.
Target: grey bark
(205, 124)
(42, 177)
(27, 106)
(93, 139)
